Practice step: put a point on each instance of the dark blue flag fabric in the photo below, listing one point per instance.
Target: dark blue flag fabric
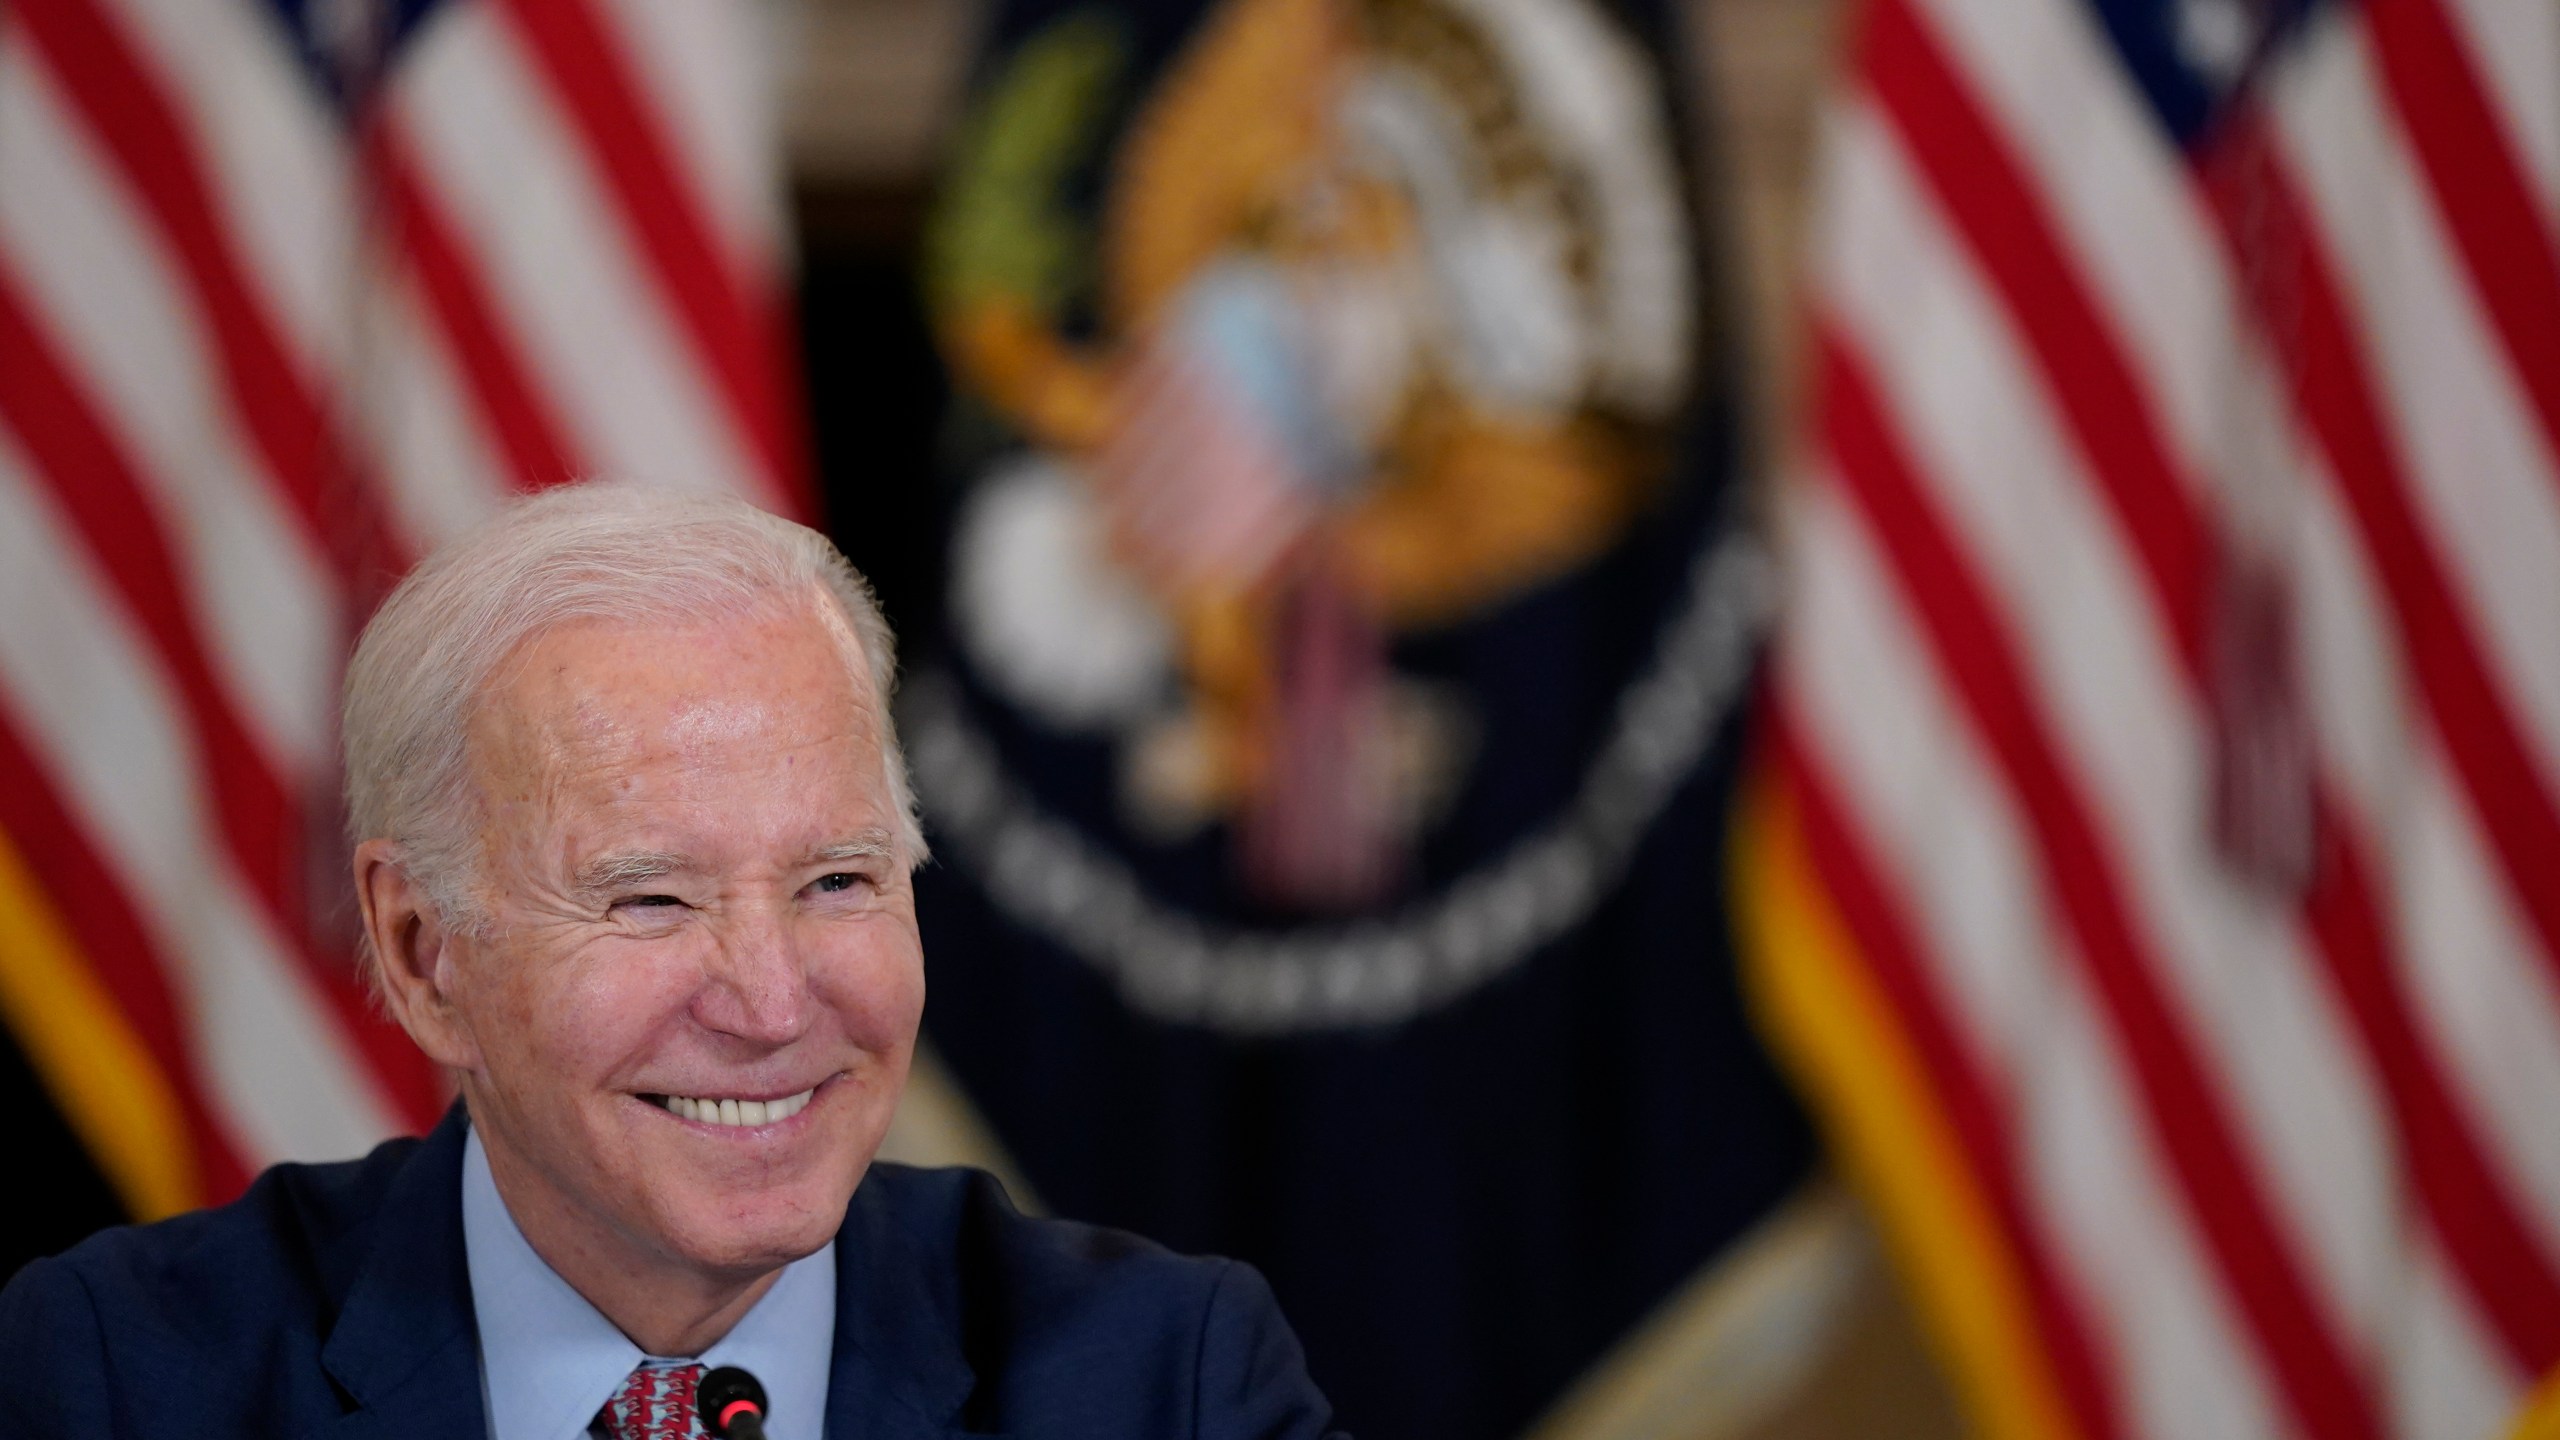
(1328, 760)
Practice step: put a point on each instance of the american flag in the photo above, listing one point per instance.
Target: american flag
(2157, 873)
(289, 292)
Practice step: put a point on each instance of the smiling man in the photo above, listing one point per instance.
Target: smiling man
(633, 839)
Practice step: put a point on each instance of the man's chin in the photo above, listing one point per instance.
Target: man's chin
(741, 1258)
(751, 1234)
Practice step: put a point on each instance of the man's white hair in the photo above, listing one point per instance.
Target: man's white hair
(601, 550)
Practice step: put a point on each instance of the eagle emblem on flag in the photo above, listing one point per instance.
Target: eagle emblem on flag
(1383, 314)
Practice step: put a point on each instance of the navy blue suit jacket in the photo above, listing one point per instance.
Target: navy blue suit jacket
(332, 1300)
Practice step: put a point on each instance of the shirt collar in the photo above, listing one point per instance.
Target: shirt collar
(549, 1360)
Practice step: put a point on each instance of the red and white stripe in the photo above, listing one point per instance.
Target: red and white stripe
(253, 361)
(2276, 1163)
(1197, 487)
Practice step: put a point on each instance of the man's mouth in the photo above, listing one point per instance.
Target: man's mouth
(730, 1111)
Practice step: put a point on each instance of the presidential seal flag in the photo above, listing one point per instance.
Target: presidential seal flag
(290, 293)
(2155, 870)
(1343, 646)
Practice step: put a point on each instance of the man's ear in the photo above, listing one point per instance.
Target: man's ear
(411, 945)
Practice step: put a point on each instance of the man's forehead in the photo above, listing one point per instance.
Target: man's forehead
(591, 690)
(694, 720)
(578, 661)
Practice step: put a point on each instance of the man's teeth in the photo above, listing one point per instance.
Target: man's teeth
(739, 1112)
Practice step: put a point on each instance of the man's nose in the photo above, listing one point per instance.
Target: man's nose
(759, 986)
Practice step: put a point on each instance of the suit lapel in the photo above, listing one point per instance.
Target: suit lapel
(899, 1371)
(440, 1398)
(404, 1347)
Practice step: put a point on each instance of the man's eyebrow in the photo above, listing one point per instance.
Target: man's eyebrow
(863, 845)
(617, 869)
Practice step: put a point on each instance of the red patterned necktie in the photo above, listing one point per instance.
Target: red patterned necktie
(656, 1403)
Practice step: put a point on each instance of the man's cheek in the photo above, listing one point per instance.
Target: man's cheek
(877, 978)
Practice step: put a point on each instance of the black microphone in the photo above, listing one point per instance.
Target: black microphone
(731, 1403)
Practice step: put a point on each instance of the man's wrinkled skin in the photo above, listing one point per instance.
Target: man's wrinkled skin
(691, 886)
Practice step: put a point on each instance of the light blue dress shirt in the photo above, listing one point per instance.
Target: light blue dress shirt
(549, 1360)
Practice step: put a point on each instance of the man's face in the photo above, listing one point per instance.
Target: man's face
(697, 908)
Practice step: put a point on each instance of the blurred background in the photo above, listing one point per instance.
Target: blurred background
(1723, 718)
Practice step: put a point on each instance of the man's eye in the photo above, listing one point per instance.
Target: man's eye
(651, 901)
(838, 882)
